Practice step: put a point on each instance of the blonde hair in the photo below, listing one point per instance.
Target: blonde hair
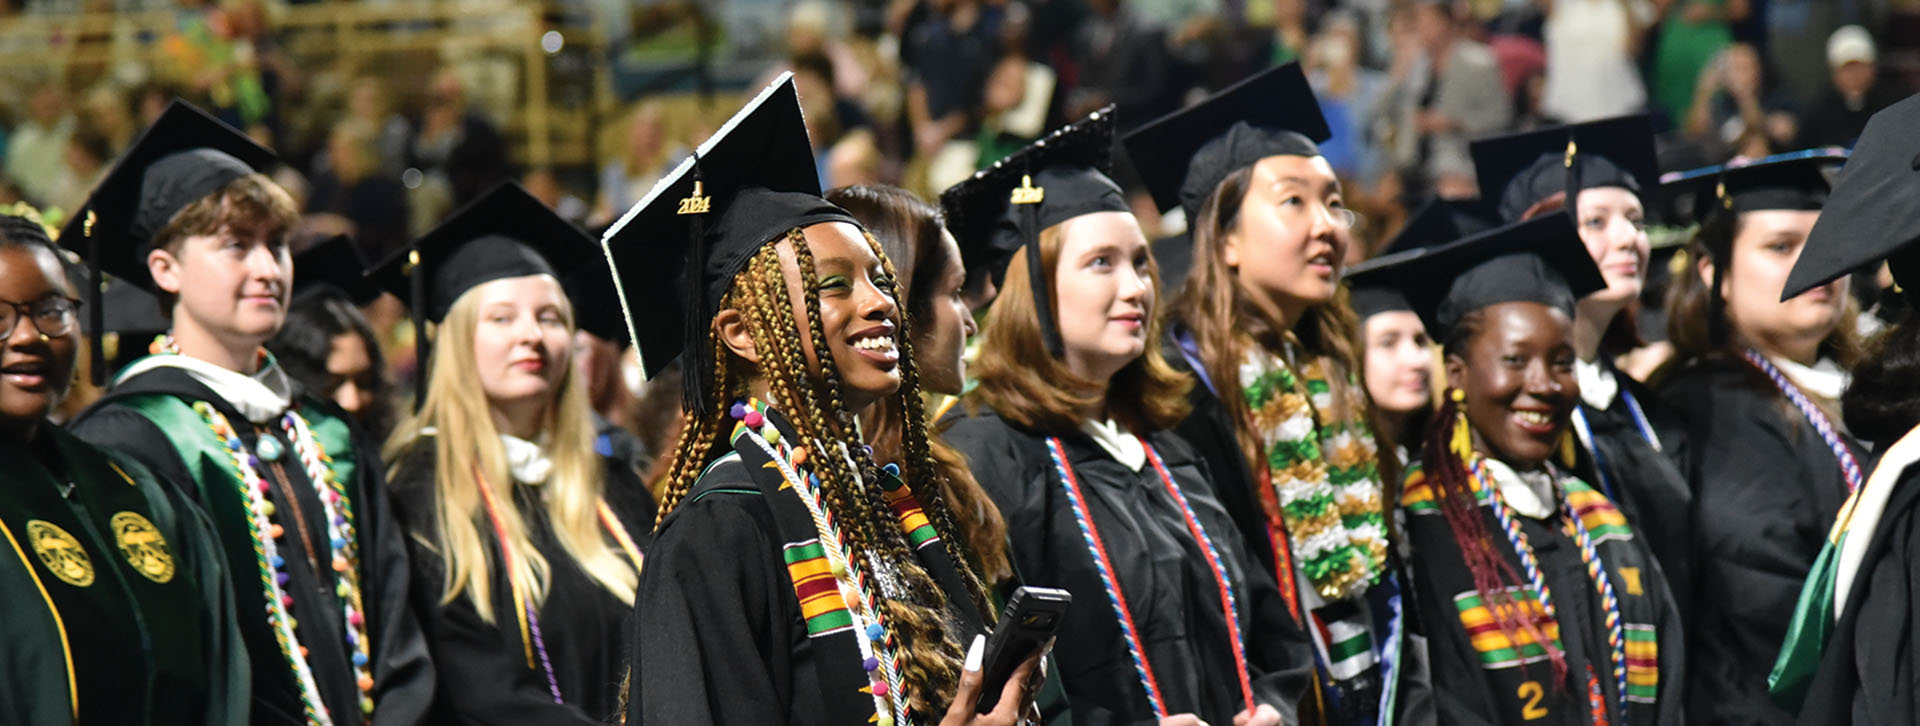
(467, 443)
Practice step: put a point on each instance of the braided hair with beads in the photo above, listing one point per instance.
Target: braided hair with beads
(813, 400)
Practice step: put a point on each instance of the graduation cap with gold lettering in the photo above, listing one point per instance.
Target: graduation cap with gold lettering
(184, 157)
(1003, 208)
(1186, 154)
(1873, 212)
(676, 253)
(505, 233)
(1518, 171)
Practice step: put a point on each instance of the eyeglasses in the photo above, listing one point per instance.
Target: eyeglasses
(51, 316)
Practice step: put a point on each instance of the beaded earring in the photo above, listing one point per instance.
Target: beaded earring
(1462, 443)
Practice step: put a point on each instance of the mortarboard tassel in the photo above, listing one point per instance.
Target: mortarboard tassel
(422, 348)
(696, 379)
(1029, 198)
(96, 312)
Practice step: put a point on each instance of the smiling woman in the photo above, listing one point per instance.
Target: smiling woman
(142, 632)
(524, 538)
(1537, 599)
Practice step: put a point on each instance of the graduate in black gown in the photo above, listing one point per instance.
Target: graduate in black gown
(1068, 432)
(319, 573)
(524, 538)
(1603, 174)
(1859, 603)
(114, 606)
(1765, 449)
(792, 579)
(1538, 601)
(1280, 415)
(327, 346)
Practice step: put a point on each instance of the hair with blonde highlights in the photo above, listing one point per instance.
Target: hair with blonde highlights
(468, 454)
(1025, 384)
(812, 399)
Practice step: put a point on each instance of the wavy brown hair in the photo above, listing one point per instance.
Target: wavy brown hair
(908, 230)
(812, 399)
(1025, 384)
(1217, 310)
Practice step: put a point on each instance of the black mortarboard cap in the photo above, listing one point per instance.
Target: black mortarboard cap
(676, 253)
(1186, 154)
(333, 264)
(1003, 208)
(1437, 222)
(1517, 171)
(596, 301)
(1540, 260)
(503, 234)
(1874, 210)
(185, 156)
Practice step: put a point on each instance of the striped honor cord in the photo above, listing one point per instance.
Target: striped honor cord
(1849, 467)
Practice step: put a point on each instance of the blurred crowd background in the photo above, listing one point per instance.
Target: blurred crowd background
(391, 113)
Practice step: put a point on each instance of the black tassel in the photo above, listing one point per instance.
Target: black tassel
(422, 347)
(96, 312)
(1037, 279)
(696, 379)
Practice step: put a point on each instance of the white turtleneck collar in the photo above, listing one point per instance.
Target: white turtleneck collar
(1598, 387)
(261, 397)
(1530, 493)
(1122, 445)
(1824, 379)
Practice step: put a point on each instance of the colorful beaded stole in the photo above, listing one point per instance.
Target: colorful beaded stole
(836, 595)
(337, 508)
(1090, 533)
(1849, 466)
(1324, 473)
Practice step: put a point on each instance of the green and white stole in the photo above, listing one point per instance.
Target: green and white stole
(1323, 469)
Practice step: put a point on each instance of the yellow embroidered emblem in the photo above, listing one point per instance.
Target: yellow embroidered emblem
(60, 552)
(1632, 576)
(140, 542)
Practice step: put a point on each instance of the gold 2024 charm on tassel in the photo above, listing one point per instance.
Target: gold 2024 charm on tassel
(699, 203)
(1027, 193)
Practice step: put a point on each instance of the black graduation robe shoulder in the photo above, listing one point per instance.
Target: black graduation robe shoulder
(1642, 479)
(1166, 580)
(114, 605)
(1871, 663)
(584, 628)
(1766, 490)
(402, 669)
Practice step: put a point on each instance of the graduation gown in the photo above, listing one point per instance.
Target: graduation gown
(1766, 491)
(1871, 664)
(1642, 480)
(583, 627)
(720, 636)
(1479, 677)
(114, 607)
(149, 418)
(1164, 575)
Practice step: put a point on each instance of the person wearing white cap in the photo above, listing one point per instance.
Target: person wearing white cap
(1852, 97)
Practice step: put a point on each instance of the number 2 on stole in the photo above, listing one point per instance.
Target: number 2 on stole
(1531, 693)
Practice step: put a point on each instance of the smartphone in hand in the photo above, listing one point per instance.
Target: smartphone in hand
(1032, 616)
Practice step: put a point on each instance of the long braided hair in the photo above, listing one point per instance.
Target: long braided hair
(812, 399)
(1447, 475)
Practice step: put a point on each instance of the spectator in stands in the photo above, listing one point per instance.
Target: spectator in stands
(368, 102)
(628, 177)
(1348, 93)
(855, 161)
(459, 146)
(108, 109)
(545, 185)
(36, 146)
(948, 56)
(1855, 94)
(353, 187)
(1591, 45)
(1734, 110)
(1443, 90)
(1691, 33)
(85, 161)
(829, 115)
(1122, 62)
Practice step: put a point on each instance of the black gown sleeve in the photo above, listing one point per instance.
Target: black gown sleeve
(705, 653)
(403, 671)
